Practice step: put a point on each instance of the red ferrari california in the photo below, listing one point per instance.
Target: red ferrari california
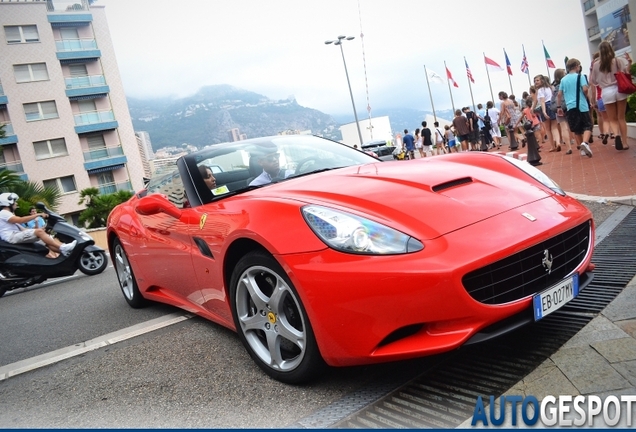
(316, 253)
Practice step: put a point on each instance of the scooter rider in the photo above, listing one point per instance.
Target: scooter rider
(12, 232)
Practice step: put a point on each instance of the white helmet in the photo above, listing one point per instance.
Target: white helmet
(7, 199)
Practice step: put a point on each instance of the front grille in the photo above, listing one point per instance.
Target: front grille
(524, 273)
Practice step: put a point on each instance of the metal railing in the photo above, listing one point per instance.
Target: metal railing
(103, 153)
(66, 5)
(593, 31)
(13, 166)
(75, 45)
(589, 4)
(94, 117)
(85, 81)
(108, 188)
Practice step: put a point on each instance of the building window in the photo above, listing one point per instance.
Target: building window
(21, 34)
(40, 111)
(30, 72)
(63, 184)
(77, 70)
(50, 148)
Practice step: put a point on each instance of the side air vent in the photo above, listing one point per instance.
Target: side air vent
(451, 184)
(203, 247)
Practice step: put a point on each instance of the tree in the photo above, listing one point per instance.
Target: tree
(2, 131)
(8, 180)
(98, 207)
(31, 193)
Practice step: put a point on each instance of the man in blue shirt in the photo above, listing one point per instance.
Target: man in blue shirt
(409, 143)
(572, 85)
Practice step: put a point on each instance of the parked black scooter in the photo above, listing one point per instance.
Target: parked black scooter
(23, 265)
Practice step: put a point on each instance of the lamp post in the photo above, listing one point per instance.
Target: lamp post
(355, 114)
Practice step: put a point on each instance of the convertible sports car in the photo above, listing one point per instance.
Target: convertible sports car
(316, 253)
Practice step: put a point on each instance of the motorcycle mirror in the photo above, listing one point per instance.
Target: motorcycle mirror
(40, 205)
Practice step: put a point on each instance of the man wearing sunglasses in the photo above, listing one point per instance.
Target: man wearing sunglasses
(270, 162)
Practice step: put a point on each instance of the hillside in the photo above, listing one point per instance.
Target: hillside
(206, 117)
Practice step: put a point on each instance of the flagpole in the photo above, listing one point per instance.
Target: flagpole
(509, 80)
(429, 93)
(449, 88)
(470, 88)
(489, 84)
(524, 56)
(546, 61)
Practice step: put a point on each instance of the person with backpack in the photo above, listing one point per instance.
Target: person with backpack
(440, 140)
(485, 125)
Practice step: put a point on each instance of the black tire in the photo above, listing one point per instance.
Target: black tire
(275, 330)
(126, 277)
(92, 263)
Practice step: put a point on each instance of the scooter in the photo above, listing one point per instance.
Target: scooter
(26, 264)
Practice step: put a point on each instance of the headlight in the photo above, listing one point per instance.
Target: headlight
(354, 234)
(537, 174)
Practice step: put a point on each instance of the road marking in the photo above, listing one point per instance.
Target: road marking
(49, 358)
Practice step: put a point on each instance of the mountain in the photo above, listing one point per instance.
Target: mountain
(207, 116)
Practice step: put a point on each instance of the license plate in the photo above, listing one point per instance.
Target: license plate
(555, 297)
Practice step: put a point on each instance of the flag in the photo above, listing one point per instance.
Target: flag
(548, 60)
(450, 78)
(469, 73)
(490, 63)
(508, 67)
(434, 77)
(525, 67)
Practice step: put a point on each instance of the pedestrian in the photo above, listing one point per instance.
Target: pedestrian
(603, 75)
(495, 132)
(573, 88)
(409, 144)
(473, 123)
(562, 122)
(418, 142)
(427, 142)
(508, 117)
(605, 133)
(450, 139)
(546, 113)
(460, 123)
(440, 140)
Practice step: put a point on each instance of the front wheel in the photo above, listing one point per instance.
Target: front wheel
(271, 320)
(126, 278)
(92, 263)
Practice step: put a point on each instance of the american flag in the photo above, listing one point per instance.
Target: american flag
(469, 73)
(525, 68)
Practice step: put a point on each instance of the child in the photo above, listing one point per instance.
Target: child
(529, 115)
(450, 139)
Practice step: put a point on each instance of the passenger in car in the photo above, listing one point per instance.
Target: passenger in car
(210, 181)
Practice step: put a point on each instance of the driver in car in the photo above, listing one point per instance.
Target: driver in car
(269, 159)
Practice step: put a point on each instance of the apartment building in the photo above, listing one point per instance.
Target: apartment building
(609, 20)
(62, 101)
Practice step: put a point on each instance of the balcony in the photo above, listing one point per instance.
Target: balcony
(3, 98)
(16, 167)
(73, 50)
(588, 5)
(86, 87)
(109, 188)
(104, 159)
(593, 32)
(9, 135)
(95, 121)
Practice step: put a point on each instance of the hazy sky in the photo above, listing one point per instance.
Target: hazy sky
(276, 47)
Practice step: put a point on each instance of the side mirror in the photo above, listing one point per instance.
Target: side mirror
(157, 203)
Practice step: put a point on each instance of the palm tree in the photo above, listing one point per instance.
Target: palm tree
(33, 192)
(8, 180)
(2, 132)
(98, 207)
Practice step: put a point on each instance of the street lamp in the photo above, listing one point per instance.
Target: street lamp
(355, 114)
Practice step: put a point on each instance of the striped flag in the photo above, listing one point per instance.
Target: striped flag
(508, 67)
(493, 65)
(450, 78)
(548, 60)
(469, 73)
(525, 67)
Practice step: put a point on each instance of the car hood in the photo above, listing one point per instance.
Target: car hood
(424, 198)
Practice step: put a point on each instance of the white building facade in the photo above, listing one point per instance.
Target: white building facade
(63, 102)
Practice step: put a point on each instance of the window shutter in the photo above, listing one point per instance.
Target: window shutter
(78, 70)
(22, 73)
(69, 33)
(12, 34)
(58, 147)
(30, 33)
(39, 72)
(31, 111)
(96, 142)
(50, 184)
(41, 150)
(68, 184)
(49, 110)
(86, 106)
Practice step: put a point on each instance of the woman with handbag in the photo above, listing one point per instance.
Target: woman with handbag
(547, 113)
(604, 74)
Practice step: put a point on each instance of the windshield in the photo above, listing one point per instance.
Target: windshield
(227, 169)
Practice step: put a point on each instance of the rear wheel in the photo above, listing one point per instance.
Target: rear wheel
(126, 278)
(271, 320)
(92, 263)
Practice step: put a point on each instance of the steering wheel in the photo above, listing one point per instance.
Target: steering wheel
(307, 161)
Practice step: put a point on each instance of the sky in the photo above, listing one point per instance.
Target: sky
(277, 48)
